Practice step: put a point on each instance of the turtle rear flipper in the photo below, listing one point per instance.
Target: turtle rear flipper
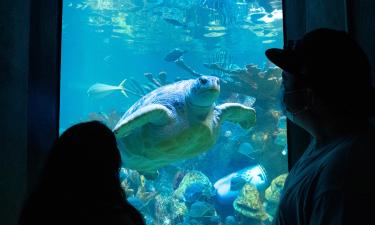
(237, 113)
(152, 114)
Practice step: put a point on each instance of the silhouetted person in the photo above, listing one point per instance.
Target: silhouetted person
(80, 182)
(327, 91)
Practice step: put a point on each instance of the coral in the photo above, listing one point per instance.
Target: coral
(249, 204)
(191, 178)
(168, 209)
(272, 193)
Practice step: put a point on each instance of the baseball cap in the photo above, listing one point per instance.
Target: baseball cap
(330, 61)
(331, 54)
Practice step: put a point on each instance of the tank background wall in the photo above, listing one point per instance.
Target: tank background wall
(29, 96)
(43, 83)
(356, 17)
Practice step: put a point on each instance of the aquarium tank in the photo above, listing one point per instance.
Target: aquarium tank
(193, 102)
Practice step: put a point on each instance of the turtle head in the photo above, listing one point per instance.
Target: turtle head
(204, 91)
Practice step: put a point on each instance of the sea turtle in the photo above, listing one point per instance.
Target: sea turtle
(174, 55)
(175, 122)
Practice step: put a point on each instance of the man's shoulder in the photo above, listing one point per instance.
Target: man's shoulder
(350, 151)
(350, 164)
(360, 165)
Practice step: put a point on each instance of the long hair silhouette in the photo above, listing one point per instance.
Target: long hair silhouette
(80, 181)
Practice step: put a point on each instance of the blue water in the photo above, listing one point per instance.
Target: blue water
(105, 41)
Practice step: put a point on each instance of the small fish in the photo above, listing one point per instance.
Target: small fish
(174, 55)
(175, 22)
(102, 90)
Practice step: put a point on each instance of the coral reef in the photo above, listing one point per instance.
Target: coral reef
(272, 193)
(249, 204)
(168, 210)
(195, 177)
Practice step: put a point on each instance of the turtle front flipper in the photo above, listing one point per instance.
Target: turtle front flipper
(237, 113)
(152, 114)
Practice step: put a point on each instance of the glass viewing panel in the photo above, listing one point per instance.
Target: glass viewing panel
(192, 70)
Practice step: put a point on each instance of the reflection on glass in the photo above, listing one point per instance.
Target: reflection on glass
(192, 99)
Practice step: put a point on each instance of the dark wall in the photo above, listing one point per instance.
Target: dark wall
(361, 23)
(304, 15)
(355, 16)
(43, 83)
(14, 63)
(323, 13)
(29, 90)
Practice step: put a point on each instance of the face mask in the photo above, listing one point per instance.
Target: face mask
(297, 101)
